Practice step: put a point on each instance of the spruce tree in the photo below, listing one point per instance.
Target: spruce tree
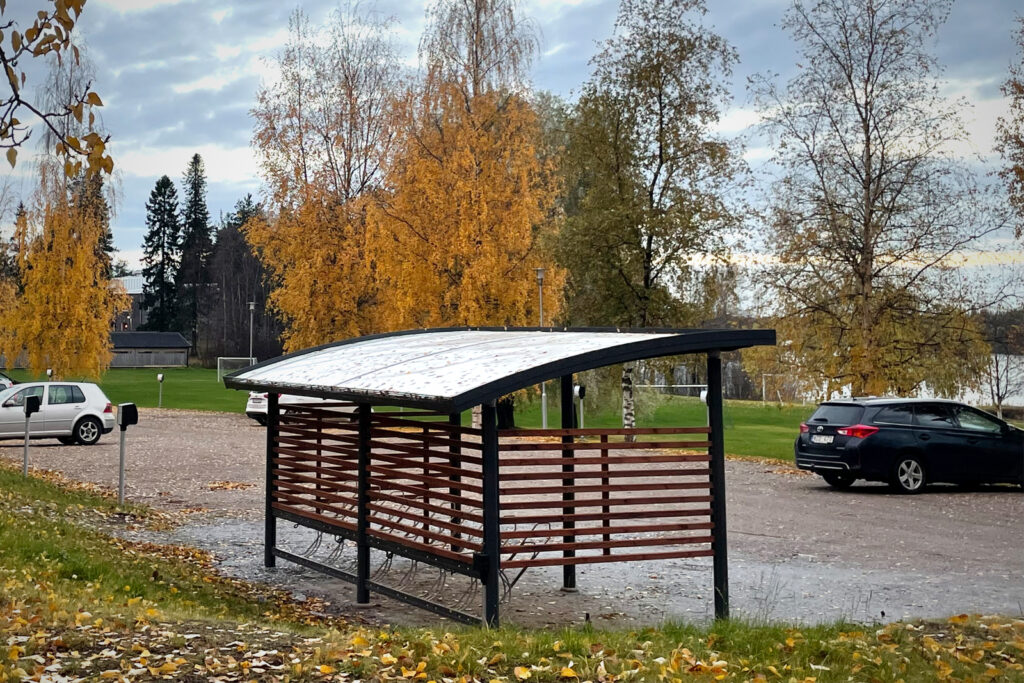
(196, 249)
(160, 256)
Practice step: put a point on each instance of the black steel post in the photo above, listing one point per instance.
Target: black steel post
(455, 461)
(720, 544)
(568, 414)
(362, 514)
(492, 522)
(269, 521)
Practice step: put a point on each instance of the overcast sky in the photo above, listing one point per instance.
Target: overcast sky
(179, 76)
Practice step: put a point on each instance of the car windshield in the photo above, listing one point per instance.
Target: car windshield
(6, 393)
(837, 414)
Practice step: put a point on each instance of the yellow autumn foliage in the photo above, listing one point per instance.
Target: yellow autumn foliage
(63, 317)
(459, 235)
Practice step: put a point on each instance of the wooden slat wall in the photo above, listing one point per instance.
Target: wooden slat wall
(626, 504)
(630, 500)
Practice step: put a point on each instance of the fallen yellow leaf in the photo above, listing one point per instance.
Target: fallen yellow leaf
(522, 673)
(568, 673)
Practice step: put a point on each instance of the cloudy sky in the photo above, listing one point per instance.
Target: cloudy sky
(179, 76)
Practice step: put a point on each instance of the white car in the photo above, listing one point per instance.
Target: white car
(71, 412)
(6, 382)
(256, 406)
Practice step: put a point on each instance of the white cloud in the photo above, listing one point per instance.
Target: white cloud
(227, 165)
(737, 120)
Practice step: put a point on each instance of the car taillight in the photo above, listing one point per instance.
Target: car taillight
(109, 408)
(857, 431)
(804, 428)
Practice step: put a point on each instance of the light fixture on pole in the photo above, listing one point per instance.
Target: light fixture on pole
(543, 385)
(252, 312)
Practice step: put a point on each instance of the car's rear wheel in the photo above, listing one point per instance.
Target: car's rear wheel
(838, 480)
(88, 430)
(909, 475)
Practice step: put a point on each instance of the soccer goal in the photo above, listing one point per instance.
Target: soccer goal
(227, 364)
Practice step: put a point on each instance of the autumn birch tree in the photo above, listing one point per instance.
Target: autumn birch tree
(469, 198)
(63, 316)
(1010, 132)
(873, 213)
(323, 135)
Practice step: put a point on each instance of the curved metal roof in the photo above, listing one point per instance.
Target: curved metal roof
(453, 369)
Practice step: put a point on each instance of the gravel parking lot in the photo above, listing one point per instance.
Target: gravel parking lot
(798, 550)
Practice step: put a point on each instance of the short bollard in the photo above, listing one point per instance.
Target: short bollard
(31, 406)
(127, 415)
(160, 396)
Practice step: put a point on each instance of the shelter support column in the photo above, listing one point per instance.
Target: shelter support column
(568, 414)
(269, 521)
(491, 555)
(363, 494)
(455, 462)
(717, 452)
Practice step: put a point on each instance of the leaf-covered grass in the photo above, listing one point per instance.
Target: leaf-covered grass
(184, 388)
(77, 602)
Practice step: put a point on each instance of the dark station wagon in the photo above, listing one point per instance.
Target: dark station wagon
(909, 443)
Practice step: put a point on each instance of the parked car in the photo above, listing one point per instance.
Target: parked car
(6, 382)
(256, 405)
(71, 412)
(909, 443)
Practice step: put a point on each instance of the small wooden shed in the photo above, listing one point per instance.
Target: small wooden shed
(149, 350)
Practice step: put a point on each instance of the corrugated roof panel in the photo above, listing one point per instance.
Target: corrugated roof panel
(454, 368)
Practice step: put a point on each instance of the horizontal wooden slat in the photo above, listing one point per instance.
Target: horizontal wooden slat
(559, 531)
(598, 559)
(607, 460)
(325, 494)
(463, 512)
(384, 438)
(605, 431)
(603, 488)
(599, 502)
(428, 481)
(302, 456)
(598, 474)
(601, 445)
(424, 547)
(440, 468)
(387, 419)
(434, 494)
(640, 542)
(557, 517)
(327, 445)
(331, 521)
(418, 518)
(326, 474)
(320, 506)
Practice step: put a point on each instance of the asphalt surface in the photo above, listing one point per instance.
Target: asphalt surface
(798, 550)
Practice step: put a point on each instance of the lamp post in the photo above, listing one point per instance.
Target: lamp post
(543, 385)
(252, 312)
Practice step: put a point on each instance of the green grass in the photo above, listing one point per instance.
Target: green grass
(751, 428)
(81, 602)
(184, 388)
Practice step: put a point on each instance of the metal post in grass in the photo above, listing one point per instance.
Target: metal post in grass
(127, 415)
(719, 543)
(160, 395)
(31, 407)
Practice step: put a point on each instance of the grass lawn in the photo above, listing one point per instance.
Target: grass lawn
(77, 602)
(184, 388)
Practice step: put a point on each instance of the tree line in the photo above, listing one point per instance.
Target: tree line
(398, 197)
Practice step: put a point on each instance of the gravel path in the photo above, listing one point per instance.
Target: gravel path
(798, 550)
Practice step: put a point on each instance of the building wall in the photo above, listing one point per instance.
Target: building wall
(149, 358)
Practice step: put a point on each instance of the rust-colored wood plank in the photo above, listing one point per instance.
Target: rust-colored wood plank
(598, 559)
(385, 484)
(410, 532)
(598, 446)
(610, 488)
(605, 431)
(416, 517)
(318, 505)
(603, 461)
(558, 518)
(596, 474)
(314, 516)
(466, 513)
(607, 530)
(598, 502)
(641, 542)
(431, 482)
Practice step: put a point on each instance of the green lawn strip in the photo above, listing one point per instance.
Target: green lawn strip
(183, 388)
(77, 601)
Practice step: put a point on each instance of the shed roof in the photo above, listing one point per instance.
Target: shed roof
(148, 340)
(453, 369)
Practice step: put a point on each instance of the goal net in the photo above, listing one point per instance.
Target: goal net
(226, 365)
